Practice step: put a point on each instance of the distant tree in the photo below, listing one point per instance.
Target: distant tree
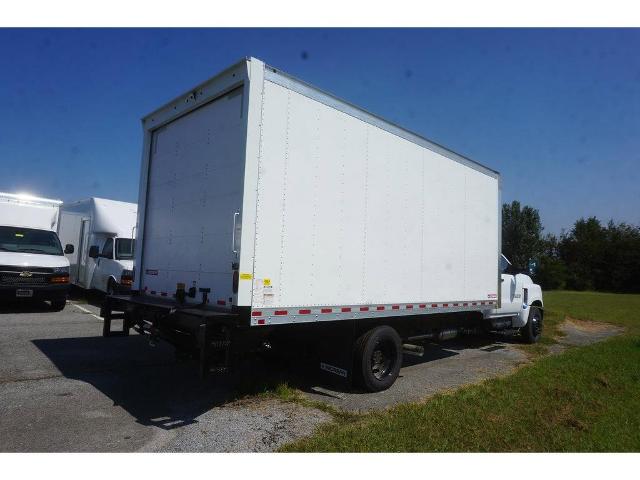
(590, 256)
(604, 258)
(521, 234)
(552, 272)
(582, 250)
(621, 258)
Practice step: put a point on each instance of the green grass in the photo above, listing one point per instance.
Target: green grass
(622, 310)
(586, 399)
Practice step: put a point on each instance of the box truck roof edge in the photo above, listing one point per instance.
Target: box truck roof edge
(181, 105)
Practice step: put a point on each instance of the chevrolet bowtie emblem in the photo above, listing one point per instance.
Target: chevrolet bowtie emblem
(26, 274)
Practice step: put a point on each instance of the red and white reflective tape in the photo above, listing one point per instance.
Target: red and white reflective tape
(263, 316)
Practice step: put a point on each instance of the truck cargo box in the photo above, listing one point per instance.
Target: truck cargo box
(29, 212)
(265, 195)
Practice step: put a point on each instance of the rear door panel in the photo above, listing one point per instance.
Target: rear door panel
(194, 188)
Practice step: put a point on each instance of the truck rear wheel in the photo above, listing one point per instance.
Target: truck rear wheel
(378, 358)
(532, 331)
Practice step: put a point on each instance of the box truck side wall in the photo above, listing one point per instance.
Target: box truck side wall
(70, 231)
(350, 213)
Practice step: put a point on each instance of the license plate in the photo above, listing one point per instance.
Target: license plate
(24, 292)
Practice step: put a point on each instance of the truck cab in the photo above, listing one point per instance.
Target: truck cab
(113, 271)
(521, 305)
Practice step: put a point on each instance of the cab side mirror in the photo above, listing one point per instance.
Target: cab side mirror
(68, 248)
(93, 251)
(532, 267)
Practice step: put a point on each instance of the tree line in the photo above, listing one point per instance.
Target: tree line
(589, 256)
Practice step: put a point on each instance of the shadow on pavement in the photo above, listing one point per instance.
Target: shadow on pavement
(147, 382)
(156, 389)
(25, 306)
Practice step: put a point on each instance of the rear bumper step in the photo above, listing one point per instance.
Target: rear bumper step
(202, 333)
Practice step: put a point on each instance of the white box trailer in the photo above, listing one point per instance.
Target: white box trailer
(266, 202)
(103, 233)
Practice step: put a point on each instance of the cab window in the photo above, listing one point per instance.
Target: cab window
(107, 250)
(504, 264)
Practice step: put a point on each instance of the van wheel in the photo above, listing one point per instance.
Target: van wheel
(532, 331)
(378, 358)
(58, 305)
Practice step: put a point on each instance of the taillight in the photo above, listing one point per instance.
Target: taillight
(236, 281)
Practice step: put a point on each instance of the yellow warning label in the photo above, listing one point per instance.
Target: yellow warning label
(266, 282)
(245, 276)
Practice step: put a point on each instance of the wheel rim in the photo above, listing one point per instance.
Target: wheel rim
(536, 325)
(382, 359)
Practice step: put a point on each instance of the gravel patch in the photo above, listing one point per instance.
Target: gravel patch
(256, 426)
(582, 332)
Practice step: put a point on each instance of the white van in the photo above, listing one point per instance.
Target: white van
(32, 262)
(103, 231)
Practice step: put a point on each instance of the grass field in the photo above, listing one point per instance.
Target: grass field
(586, 399)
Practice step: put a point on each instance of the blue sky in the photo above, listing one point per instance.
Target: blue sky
(557, 112)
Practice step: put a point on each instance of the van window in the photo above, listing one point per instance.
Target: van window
(107, 250)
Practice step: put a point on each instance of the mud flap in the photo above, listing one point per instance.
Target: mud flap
(335, 354)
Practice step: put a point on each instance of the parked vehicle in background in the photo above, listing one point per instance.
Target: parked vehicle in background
(103, 231)
(272, 213)
(32, 263)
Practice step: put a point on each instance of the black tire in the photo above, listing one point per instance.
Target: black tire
(58, 304)
(532, 331)
(378, 358)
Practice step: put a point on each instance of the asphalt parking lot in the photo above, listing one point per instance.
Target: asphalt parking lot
(63, 387)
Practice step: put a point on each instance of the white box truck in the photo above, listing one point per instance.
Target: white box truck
(32, 263)
(270, 209)
(103, 231)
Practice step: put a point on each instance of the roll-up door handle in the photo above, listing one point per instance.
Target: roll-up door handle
(233, 234)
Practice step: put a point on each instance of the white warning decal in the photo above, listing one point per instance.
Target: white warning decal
(331, 369)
